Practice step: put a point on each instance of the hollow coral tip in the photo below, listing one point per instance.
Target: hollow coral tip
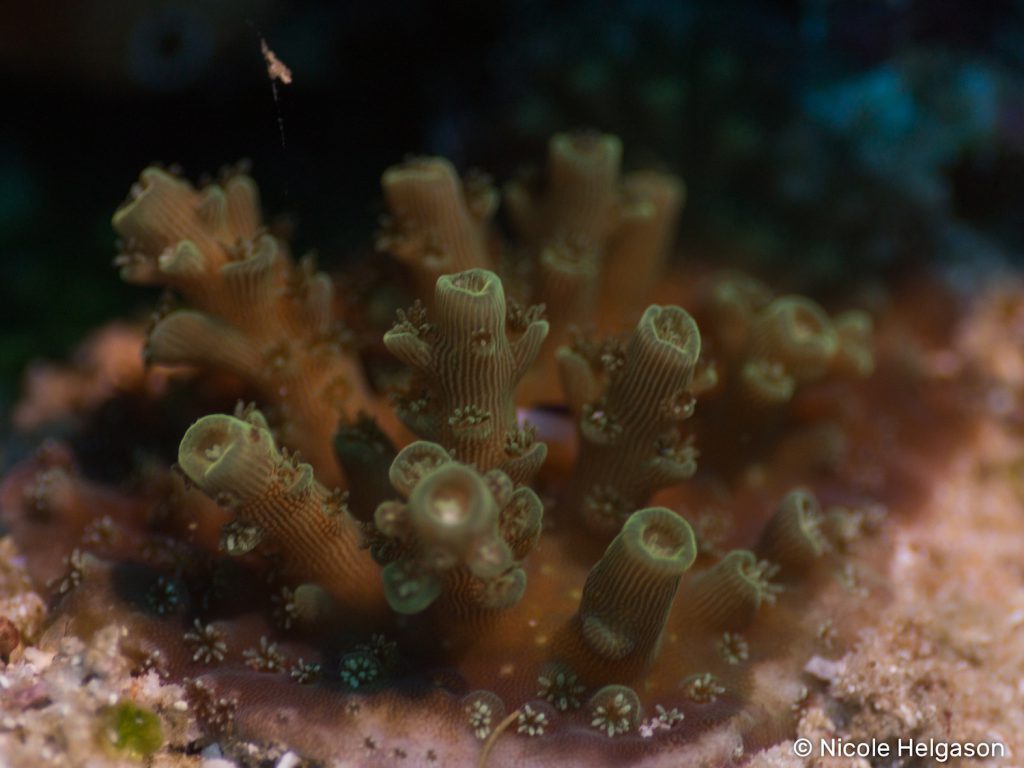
(235, 461)
(797, 333)
(225, 455)
(629, 593)
(460, 534)
(450, 508)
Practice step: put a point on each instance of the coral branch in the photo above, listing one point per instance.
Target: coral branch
(793, 537)
(631, 443)
(595, 238)
(255, 312)
(638, 248)
(438, 224)
(581, 191)
(235, 461)
(461, 534)
(729, 594)
(629, 592)
(467, 366)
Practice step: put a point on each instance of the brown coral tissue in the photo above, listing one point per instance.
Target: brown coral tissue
(581, 503)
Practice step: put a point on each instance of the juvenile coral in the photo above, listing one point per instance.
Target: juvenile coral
(510, 582)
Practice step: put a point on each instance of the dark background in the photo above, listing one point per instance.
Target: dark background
(821, 141)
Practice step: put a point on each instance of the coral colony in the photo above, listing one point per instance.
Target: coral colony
(538, 521)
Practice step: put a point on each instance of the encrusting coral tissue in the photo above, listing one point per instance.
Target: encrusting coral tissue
(575, 507)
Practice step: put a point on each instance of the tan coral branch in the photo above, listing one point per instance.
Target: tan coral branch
(235, 460)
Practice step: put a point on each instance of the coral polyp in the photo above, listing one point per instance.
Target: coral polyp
(538, 520)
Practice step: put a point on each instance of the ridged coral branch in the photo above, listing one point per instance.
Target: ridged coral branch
(235, 461)
(593, 236)
(254, 312)
(772, 345)
(629, 592)
(793, 537)
(728, 595)
(466, 365)
(631, 443)
(638, 248)
(461, 534)
(164, 212)
(438, 223)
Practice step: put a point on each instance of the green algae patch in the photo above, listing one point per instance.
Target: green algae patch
(132, 730)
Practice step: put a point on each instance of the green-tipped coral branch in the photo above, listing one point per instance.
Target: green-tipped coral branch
(631, 442)
(460, 534)
(235, 461)
(728, 595)
(629, 592)
(793, 537)
(466, 364)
